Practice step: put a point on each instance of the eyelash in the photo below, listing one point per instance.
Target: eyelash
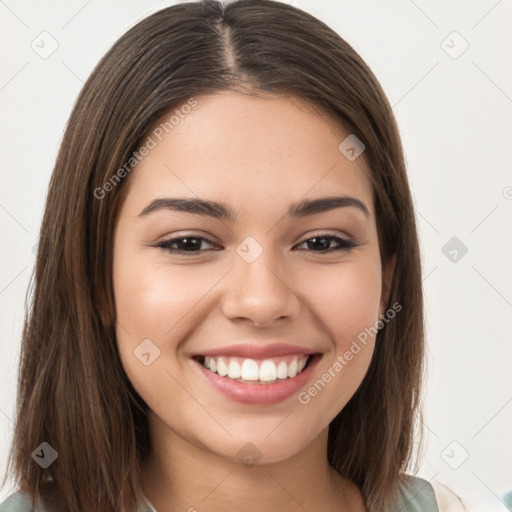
(344, 245)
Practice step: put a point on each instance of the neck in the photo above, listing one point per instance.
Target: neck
(181, 476)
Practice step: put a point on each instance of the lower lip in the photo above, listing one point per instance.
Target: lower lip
(260, 394)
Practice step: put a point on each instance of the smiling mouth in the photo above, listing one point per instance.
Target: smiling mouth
(253, 371)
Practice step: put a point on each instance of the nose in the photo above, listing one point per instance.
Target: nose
(260, 292)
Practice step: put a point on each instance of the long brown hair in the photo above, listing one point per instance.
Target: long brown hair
(73, 392)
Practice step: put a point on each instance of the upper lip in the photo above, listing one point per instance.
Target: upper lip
(256, 351)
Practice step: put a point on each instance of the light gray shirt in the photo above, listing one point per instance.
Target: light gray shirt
(417, 495)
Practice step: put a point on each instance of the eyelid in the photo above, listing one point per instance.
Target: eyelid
(320, 233)
(167, 241)
(344, 243)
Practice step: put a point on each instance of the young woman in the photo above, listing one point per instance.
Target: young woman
(227, 311)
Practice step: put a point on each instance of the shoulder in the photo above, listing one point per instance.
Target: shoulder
(419, 495)
(447, 499)
(416, 495)
(21, 501)
(17, 502)
(454, 498)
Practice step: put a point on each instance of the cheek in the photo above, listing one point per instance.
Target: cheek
(346, 300)
(150, 300)
(162, 304)
(155, 304)
(346, 303)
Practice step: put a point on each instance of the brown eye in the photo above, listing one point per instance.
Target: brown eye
(185, 244)
(323, 243)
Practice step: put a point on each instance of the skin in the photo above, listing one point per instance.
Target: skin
(257, 154)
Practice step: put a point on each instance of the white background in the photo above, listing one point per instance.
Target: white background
(454, 116)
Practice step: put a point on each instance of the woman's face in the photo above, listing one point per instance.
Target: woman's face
(267, 277)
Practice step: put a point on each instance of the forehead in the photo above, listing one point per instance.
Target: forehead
(247, 149)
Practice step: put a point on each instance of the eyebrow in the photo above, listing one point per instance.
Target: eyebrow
(219, 210)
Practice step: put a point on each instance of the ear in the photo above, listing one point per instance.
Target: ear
(388, 271)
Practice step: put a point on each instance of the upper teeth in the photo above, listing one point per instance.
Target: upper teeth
(250, 369)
